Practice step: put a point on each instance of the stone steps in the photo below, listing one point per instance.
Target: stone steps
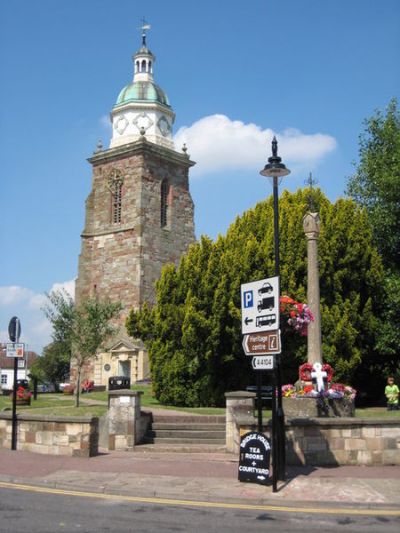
(183, 431)
(180, 448)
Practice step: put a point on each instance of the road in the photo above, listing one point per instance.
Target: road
(23, 511)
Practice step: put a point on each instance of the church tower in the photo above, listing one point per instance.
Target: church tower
(139, 213)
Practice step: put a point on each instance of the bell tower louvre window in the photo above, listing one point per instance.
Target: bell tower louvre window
(115, 182)
(117, 204)
(164, 203)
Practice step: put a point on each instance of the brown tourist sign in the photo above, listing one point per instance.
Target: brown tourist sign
(267, 342)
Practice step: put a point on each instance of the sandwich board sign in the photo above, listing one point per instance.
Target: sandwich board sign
(254, 458)
(260, 305)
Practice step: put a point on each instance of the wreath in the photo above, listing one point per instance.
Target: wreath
(306, 369)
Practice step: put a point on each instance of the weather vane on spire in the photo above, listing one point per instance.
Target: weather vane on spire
(144, 27)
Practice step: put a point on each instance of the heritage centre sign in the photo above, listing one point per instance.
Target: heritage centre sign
(265, 343)
(254, 460)
(260, 305)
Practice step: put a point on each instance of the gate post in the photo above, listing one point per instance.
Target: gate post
(124, 419)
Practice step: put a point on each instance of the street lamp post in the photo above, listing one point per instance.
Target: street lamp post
(276, 170)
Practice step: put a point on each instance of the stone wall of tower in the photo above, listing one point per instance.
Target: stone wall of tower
(122, 261)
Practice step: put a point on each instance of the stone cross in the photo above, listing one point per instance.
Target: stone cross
(318, 374)
(311, 226)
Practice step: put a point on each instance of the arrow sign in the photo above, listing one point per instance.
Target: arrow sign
(267, 342)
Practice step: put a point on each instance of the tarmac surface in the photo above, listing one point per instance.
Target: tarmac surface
(204, 477)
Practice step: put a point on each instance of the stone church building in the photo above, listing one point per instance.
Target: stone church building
(139, 214)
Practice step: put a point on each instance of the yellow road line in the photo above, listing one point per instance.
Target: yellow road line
(194, 503)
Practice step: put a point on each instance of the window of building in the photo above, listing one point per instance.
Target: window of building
(4, 379)
(164, 203)
(117, 203)
(115, 182)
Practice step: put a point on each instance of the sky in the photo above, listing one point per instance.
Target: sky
(236, 73)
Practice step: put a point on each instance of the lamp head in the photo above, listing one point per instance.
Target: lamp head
(274, 167)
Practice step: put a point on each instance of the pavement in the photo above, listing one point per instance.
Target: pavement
(206, 477)
(201, 478)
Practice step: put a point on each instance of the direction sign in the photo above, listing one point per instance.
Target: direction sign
(15, 349)
(262, 343)
(260, 305)
(263, 362)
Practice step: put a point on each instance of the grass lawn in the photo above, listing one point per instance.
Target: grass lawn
(63, 405)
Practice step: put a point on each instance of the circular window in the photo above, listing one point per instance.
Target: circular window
(107, 367)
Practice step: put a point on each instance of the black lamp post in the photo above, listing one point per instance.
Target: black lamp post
(276, 170)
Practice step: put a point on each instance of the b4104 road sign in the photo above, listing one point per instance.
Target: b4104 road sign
(260, 305)
(263, 362)
(268, 342)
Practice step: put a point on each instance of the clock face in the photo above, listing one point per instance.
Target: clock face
(164, 126)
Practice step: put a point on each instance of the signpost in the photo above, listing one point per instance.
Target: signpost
(262, 343)
(260, 305)
(15, 349)
(261, 339)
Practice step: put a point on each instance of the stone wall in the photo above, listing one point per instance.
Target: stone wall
(52, 435)
(321, 441)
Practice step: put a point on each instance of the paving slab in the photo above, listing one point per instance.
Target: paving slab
(203, 477)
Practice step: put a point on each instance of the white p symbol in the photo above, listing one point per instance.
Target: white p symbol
(248, 299)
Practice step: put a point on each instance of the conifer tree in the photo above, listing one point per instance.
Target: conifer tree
(193, 333)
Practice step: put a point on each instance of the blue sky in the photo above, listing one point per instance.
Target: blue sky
(235, 72)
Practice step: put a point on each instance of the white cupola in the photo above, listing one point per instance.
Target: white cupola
(142, 107)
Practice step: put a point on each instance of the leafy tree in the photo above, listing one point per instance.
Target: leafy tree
(376, 186)
(53, 365)
(81, 330)
(376, 183)
(193, 333)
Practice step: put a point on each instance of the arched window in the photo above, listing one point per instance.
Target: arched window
(143, 66)
(137, 66)
(115, 182)
(164, 203)
(150, 67)
(117, 202)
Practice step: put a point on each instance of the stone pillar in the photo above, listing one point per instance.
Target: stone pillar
(311, 226)
(123, 419)
(236, 403)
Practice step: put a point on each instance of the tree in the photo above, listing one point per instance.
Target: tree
(376, 187)
(81, 330)
(53, 365)
(376, 183)
(193, 333)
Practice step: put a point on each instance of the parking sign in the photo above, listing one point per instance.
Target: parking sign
(260, 305)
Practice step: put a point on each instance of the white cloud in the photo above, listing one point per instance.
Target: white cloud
(27, 305)
(67, 286)
(218, 143)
